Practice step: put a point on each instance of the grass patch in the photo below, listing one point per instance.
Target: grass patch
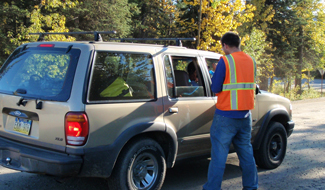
(292, 94)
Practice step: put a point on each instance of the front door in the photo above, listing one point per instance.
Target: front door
(189, 106)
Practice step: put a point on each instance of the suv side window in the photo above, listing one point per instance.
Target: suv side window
(184, 77)
(169, 76)
(210, 62)
(122, 76)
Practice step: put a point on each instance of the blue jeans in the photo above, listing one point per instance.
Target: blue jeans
(238, 131)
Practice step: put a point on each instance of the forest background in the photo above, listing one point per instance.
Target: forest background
(286, 37)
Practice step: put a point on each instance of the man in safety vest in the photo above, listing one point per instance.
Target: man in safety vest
(234, 84)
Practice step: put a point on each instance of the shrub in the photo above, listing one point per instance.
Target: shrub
(278, 88)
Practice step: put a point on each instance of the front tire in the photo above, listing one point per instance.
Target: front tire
(140, 166)
(273, 148)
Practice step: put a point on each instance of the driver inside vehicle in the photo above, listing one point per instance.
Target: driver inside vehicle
(192, 74)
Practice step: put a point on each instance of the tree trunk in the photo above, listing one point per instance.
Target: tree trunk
(264, 83)
(284, 86)
(299, 67)
(271, 84)
(199, 29)
(288, 85)
(308, 80)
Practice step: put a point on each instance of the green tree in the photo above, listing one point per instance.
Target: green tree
(256, 46)
(19, 18)
(100, 15)
(292, 34)
(318, 35)
(12, 13)
(154, 18)
(281, 32)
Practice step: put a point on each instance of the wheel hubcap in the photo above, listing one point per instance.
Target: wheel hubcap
(144, 171)
(275, 147)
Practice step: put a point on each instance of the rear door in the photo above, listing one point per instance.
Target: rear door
(122, 94)
(35, 90)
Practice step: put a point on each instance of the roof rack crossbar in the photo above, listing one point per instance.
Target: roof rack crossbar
(178, 40)
(97, 36)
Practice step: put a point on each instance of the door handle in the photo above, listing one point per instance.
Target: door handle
(173, 110)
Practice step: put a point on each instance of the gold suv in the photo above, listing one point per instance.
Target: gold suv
(121, 111)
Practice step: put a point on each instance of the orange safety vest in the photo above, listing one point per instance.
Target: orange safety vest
(238, 89)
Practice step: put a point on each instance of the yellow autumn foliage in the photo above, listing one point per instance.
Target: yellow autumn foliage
(39, 21)
(218, 17)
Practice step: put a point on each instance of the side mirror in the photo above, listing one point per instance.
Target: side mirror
(257, 90)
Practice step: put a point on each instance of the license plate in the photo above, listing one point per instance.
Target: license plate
(22, 125)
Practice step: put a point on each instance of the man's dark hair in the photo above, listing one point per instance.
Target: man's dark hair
(231, 39)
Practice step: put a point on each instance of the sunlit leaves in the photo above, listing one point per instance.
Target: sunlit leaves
(218, 17)
(44, 18)
(256, 47)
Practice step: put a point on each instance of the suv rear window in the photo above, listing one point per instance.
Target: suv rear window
(38, 72)
(122, 76)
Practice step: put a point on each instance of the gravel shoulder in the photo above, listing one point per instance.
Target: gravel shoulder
(303, 167)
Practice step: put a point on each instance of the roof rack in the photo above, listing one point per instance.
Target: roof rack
(178, 40)
(97, 36)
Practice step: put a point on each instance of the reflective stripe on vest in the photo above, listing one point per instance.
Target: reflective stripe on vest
(238, 86)
(233, 87)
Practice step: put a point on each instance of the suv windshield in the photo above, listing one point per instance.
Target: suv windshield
(40, 72)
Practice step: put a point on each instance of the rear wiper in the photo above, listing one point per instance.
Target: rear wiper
(22, 101)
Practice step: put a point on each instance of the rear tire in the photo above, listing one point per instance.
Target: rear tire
(273, 148)
(141, 165)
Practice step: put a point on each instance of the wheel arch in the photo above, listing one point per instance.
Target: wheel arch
(166, 139)
(165, 136)
(277, 115)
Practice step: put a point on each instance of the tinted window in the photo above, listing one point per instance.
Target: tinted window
(122, 76)
(43, 73)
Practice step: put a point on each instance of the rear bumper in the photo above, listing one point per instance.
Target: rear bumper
(291, 125)
(21, 157)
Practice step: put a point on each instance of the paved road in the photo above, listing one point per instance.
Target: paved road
(302, 169)
(316, 84)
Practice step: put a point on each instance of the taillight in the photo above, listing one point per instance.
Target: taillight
(76, 128)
